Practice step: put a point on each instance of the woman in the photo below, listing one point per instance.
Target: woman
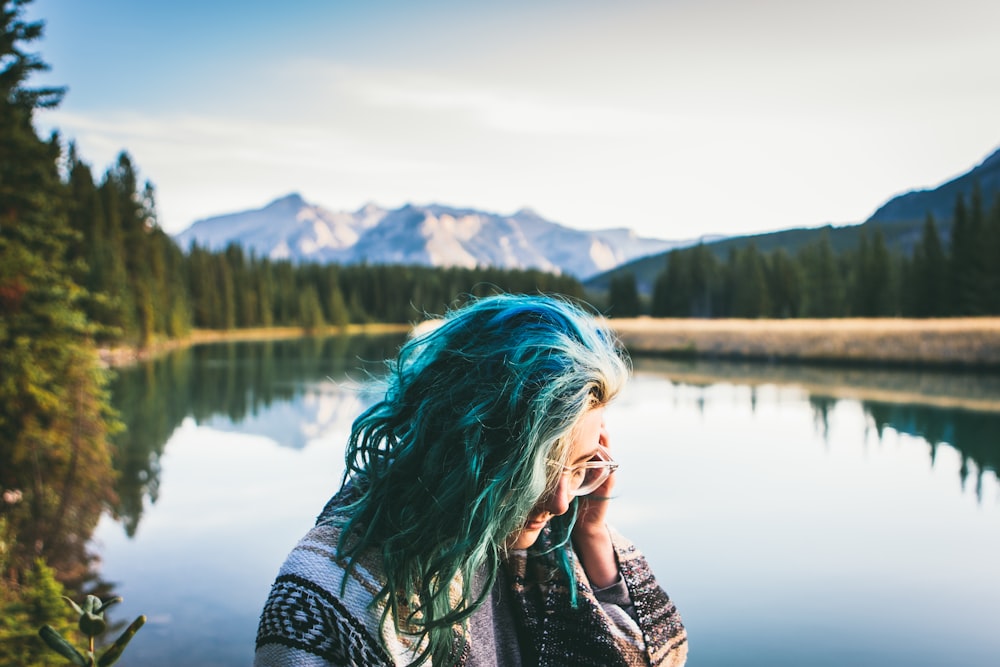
(470, 525)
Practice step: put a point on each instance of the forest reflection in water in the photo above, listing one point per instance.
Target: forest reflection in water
(956, 409)
(237, 381)
(233, 381)
(202, 421)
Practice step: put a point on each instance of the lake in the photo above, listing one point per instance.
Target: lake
(796, 516)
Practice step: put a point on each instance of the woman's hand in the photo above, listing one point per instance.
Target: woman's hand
(590, 534)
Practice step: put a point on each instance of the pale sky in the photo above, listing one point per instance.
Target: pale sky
(676, 118)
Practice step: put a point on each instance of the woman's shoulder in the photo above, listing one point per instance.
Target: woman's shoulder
(338, 507)
(318, 607)
(318, 557)
(663, 629)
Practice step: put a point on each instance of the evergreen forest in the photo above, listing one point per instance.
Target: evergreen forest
(140, 286)
(955, 277)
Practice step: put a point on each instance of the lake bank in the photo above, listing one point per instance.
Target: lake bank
(124, 355)
(954, 343)
(958, 343)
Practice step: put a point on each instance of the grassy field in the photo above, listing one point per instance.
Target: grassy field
(966, 343)
(125, 355)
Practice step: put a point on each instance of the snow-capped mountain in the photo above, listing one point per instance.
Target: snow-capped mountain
(291, 228)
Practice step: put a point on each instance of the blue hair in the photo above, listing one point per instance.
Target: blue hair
(449, 464)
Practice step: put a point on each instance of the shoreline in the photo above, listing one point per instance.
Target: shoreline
(944, 363)
(928, 344)
(969, 344)
(125, 355)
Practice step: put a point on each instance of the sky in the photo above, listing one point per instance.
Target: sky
(676, 118)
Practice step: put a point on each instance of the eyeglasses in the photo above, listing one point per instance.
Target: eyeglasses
(587, 477)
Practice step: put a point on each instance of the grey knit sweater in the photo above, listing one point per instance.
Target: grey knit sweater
(307, 622)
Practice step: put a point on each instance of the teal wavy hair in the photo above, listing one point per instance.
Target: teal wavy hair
(449, 464)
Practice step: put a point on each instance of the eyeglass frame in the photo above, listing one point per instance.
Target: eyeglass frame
(608, 464)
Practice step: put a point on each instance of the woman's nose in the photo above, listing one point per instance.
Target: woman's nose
(558, 502)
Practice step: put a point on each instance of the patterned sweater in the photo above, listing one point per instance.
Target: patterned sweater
(307, 622)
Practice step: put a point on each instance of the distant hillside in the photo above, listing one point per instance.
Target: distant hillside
(940, 202)
(900, 220)
(899, 235)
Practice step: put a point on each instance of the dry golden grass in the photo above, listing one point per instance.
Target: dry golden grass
(959, 342)
(972, 343)
(124, 356)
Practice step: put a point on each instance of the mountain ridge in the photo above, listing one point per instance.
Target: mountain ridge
(939, 201)
(900, 219)
(291, 228)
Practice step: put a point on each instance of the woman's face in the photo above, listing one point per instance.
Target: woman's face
(582, 449)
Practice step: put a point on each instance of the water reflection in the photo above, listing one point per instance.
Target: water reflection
(958, 410)
(975, 435)
(764, 497)
(287, 390)
(227, 385)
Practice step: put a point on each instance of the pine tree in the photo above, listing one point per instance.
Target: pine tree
(784, 280)
(54, 412)
(704, 268)
(880, 276)
(749, 294)
(310, 311)
(824, 283)
(114, 282)
(978, 256)
(928, 282)
(672, 288)
(859, 283)
(964, 275)
(871, 278)
(991, 258)
(623, 296)
(264, 286)
(332, 297)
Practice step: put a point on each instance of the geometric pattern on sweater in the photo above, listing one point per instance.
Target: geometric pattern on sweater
(301, 615)
(559, 634)
(663, 631)
(316, 607)
(585, 635)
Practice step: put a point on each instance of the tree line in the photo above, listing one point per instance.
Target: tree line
(233, 289)
(140, 285)
(960, 277)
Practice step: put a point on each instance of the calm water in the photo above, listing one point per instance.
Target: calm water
(791, 527)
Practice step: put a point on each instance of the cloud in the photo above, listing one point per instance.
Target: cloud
(496, 108)
(202, 165)
(188, 141)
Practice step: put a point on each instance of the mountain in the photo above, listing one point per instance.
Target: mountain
(435, 235)
(900, 219)
(940, 201)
